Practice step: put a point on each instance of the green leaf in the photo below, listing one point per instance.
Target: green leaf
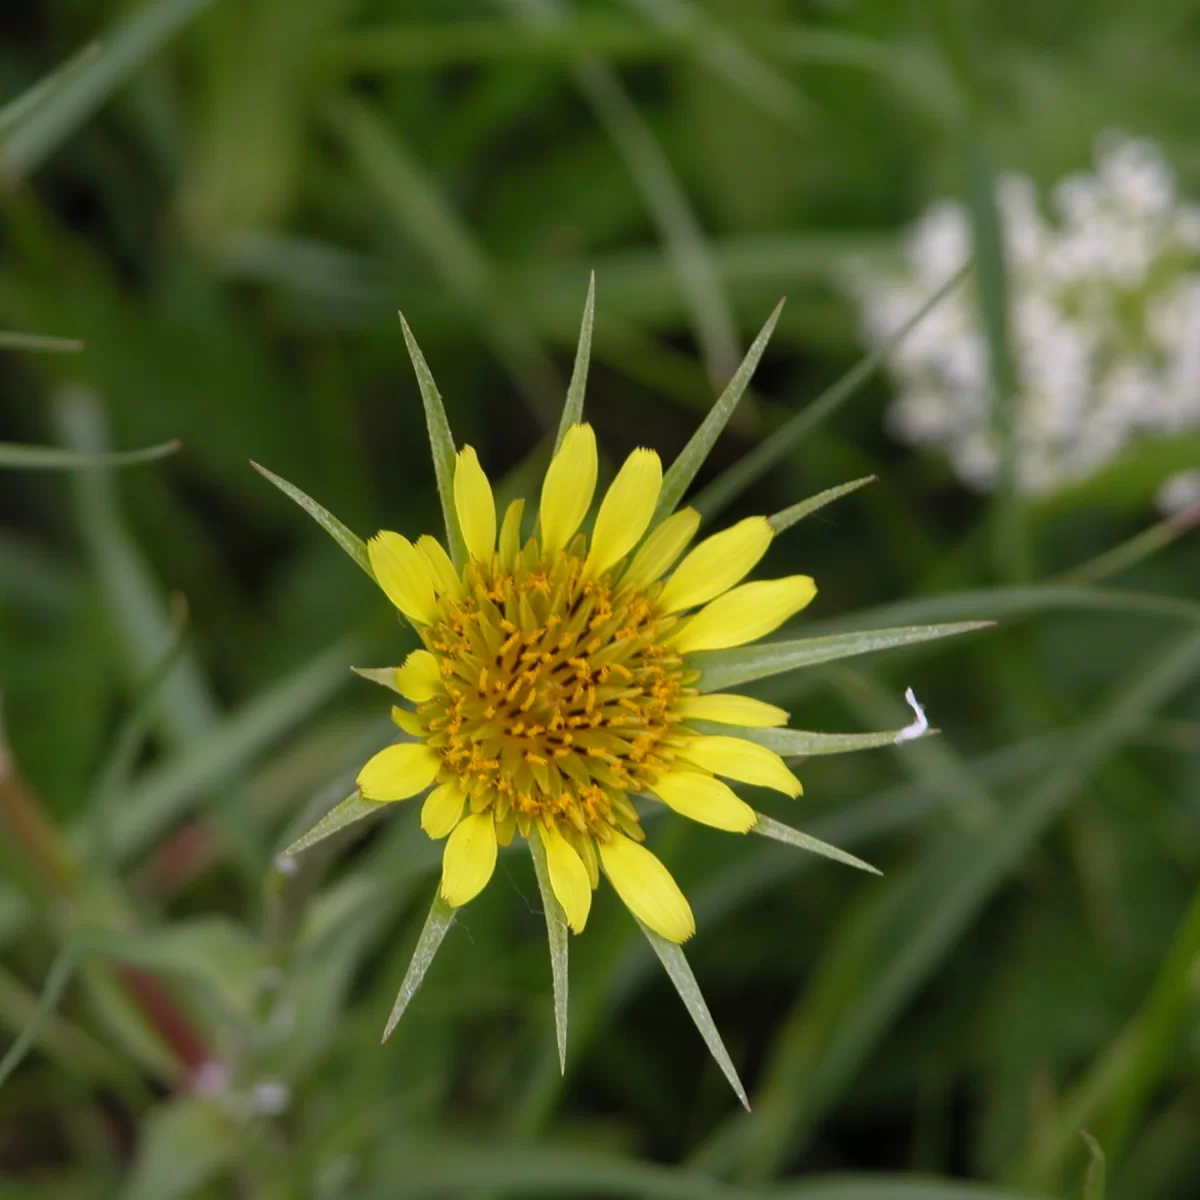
(725, 668)
(573, 408)
(349, 541)
(14, 456)
(556, 932)
(680, 973)
(1094, 1181)
(384, 676)
(753, 466)
(788, 517)
(769, 828)
(39, 343)
(19, 107)
(84, 84)
(353, 808)
(691, 458)
(185, 1143)
(802, 742)
(441, 444)
(441, 917)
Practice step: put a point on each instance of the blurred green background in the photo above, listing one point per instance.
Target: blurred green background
(228, 201)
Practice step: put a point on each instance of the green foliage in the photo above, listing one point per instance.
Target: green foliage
(221, 207)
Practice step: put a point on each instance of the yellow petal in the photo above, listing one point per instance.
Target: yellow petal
(664, 545)
(568, 877)
(646, 888)
(568, 488)
(404, 574)
(441, 810)
(475, 507)
(747, 762)
(510, 533)
(702, 798)
(625, 511)
(419, 679)
(399, 771)
(731, 709)
(445, 578)
(469, 859)
(408, 721)
(744, 614)
(716, 564)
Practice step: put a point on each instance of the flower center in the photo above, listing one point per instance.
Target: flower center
(558, 691)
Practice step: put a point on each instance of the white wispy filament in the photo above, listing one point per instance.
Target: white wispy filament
(919, 727)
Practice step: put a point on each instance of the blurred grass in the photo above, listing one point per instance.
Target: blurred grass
(219, 208)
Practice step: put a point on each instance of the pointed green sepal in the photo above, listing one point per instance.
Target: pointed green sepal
(441, 917)
(441, 444)
(788, 517)
(572, 412)
(776, 830)
(691, 458)
(15, 456)
(349, 541)
(384, 676)
(725, 668)
(556, 931)
(794, 743)
(353, 808)
(680, 973)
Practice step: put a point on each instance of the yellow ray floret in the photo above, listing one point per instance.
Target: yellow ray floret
(510, 533)
(728, 708)
(399, 771)
(475, 506)
(625, 511)
(702, 798)
(736, 758)
(445, 578)
(660, 550)
(469, 859)
(419, 678)
(744, 614)
(404, 574)
(568, 876)
(408, 721)
(442, 809)
(568, 488)
(646, 888)
(716, 565)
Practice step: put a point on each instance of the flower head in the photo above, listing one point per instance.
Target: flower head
(555, 685)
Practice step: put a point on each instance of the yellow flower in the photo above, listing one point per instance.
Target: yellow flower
(556, 681)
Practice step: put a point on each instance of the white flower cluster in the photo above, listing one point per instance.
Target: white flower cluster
(1104, 312)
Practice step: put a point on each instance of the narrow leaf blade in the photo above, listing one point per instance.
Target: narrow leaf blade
(680, 973)
(441, 443)
(779, 832)
(691, 458)
(803, 742)
(441, 917)
(556, 931)
(14, 456)
(39, 342)
(725, 668)
(349, 541)
(354, 808)
(788, 517)
(573, 408)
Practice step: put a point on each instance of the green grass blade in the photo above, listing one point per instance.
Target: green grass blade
(85, 87)
(1094, 1181)
(770, 828)
(797, 742)
(14, 456)
(788, 517)
(441, 443)
(753, 466)
(680, 973)
(19, 107)
(39, 343)
(691, 458)
(441, 917)
(354, 808)
(573, 408)
(726, 668)
(556, 932)
(348, 540)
